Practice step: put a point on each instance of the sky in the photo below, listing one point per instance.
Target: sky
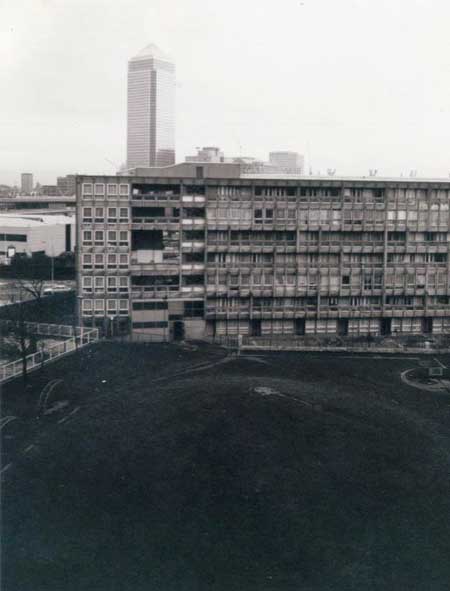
(352, 84)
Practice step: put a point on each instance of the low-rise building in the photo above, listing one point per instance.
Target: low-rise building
(30, 234)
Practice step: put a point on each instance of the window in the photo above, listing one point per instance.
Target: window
(99, 284)
(123, 261)
(87, 214)
(193, 309)
(151, 324)
(123, 284)
(87, 188)
(123, 238)
(99, 261)
(112, 189)
(111, 306)
(87, 261)
(112, 237)
(87, 284)
(112, 284)
(87, 307)
(346, 280)
(99, 237)
(99, 306)
(123, 307)
(99, 189)
(124, 189)
(14, 237)
(124, 214)
(87, 237)
(112, 214)
(258, 216)
(153, 305)
(99, 214)
(112, 261)
(199, 172)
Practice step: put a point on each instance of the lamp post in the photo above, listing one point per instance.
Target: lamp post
(112, 325)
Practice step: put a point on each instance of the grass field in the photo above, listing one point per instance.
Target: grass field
(173, 469)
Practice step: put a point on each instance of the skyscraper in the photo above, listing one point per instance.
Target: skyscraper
(26, 183)
(151, 109)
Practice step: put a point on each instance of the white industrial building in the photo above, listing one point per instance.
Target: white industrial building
(29, 234)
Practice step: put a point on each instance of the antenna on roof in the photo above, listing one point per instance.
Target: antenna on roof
(331, 171)
(373, 171)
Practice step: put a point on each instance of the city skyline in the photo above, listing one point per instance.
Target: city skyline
(370, 93)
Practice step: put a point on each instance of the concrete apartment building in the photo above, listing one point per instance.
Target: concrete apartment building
(151, 109)
(192, 250)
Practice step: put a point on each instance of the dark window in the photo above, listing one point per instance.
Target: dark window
(193, 235)
(149, 305)
(193, 309)
(193, 280)
(147, 240)
(14, 237)
(195, 257)
(161, 324)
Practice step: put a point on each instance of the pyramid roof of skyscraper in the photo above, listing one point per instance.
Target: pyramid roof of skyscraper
(152, 51)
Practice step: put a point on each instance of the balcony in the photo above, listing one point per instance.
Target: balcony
(194, 200)
(193, 223)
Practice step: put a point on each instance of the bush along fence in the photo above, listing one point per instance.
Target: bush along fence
(74, 338)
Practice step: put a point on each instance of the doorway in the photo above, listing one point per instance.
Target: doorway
(300, 328)
(427, 325)
(342, 327)
(178, 330)
(255, 328)
(386, 327)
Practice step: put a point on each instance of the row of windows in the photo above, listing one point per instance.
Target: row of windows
(150, 305)
(108, 189)
(98, 260)
(97, 214)
(13, 237)
(154, 324)
(97, 238)
(280, 304)
(327, 216)
(255, 237)
(111, 284)
(312, 280)
(316, 259)
(105, 306)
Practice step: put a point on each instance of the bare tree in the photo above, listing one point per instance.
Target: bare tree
(19, 336)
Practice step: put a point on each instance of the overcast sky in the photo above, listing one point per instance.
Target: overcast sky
(352, 84)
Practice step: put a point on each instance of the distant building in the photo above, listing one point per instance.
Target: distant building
(151, 109)
(207, 154)
(279, 162)
(29, 234)
(49, 190)
(27, 183)
(66, 184)
(37, 204)
(287, 162)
